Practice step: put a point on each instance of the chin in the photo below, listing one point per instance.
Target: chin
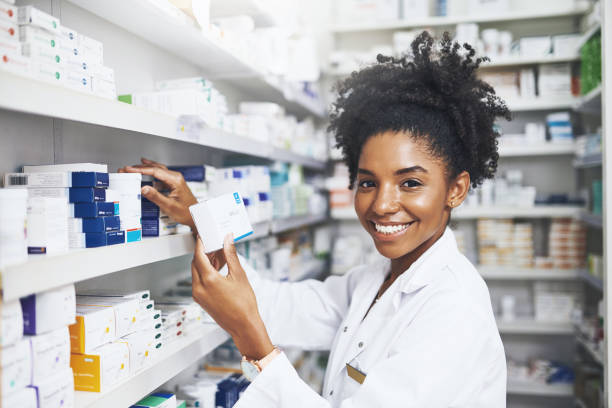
(393, 250)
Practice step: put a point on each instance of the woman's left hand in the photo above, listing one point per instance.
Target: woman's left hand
(230, 299)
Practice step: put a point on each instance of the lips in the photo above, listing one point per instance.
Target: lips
(390, 230)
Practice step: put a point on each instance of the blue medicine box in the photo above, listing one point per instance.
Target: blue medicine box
(92, 210)
(98, 239)
(149, 209)
(86, 194)
(101, 224)
(191, 173)
(89, 179)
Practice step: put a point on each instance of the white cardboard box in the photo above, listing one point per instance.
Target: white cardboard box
(50, 354)
(126, 311)
(24, 398)
(16, 362)
(102, 367)
(12, 323)
(35, 17)
(49, 310)
(94, 327)
(57, 391)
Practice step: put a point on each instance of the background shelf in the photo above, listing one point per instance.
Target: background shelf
(536, 327)
(515, 273)
(545, 390)
(541, 149)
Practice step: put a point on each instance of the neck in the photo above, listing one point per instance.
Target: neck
(400, 265)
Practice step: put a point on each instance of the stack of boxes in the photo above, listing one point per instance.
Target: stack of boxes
(127, 188)
(116, 334)
(154, 223)
(13, 218)
(504, 243)
(34, 43)
(560, 127)
(567, 244)
(36, 367)
(180, 316)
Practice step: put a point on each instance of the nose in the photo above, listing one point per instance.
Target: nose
(386, 201)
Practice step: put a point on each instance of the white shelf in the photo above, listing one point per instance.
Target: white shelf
(594, 220)
(184, 39)
(524, 326)
(347, 213)
(515, 273)
(43, 272)
(538, 389)
(588, 34)
(594, 281)
(41, 98)
(591, 102)
(311, 270)
(540, 149)
(542, 103)
(537, 211)
(596, 354)
(173, 359)
(440, 21)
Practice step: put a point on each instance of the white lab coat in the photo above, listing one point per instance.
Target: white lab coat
(430, 341)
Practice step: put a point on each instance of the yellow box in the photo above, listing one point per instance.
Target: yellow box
(102, 368)
(94, 327)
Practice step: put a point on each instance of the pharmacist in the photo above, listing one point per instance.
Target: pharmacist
(416, 329)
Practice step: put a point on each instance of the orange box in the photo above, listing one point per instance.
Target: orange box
(95, 326)
(101, 368)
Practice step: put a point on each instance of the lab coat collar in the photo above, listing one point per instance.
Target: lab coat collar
(425, 269)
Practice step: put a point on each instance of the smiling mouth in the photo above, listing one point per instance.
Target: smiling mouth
(390, 229)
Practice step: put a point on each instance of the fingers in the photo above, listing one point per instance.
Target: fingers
(206, 272)
(231, 257)
(158, 198)
(153, 163)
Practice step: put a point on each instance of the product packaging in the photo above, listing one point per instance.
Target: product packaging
(8, 12)
(47, 311)
(56, 391)
(95, 326)
(70, 167)
(37, 180)
(34, 17)
(140, 350)
(101, 368)
(11, 330)
(157, 400)
(218, 217)
(89, 179)
(16, 364)
(50, 354)
(92, 210)
(126, 311)
(23, 398)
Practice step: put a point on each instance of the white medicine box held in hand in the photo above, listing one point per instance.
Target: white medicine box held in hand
(219, 216)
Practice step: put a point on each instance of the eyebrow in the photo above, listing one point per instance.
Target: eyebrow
(413, 169)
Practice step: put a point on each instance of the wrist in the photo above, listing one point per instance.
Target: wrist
(253, 341)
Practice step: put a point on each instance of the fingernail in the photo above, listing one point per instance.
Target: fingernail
(146, 190)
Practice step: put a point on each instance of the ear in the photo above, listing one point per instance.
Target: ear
(458, 190)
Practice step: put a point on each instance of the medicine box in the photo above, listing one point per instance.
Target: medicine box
(98, 239)
(93, 49)
(77, 80)
(149, 208)
(9, 30)
(53, 73)
(50, 353)
(15, 63)
(23, 398)
(11, 330)
(56, 391)
(117, 293)
(9, 46)
(133, 235)
(102, 367)
(126, 311)
(105, 89)
(46, 311)
(36, 180)
(100, 224)
(217, 217)
(33, 16)
(103, 73)
(91, 210)
(157, 400)
(89, 179)
(69, 35)
(16, 364)
(95, 326)
(140, 350)
(8, 12)
(87, 194)
(195, 173)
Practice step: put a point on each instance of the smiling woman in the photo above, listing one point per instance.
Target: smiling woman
(414, 330)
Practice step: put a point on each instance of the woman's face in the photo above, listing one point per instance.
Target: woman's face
(403, 194)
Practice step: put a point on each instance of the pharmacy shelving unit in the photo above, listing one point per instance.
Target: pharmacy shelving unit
(542, 390)
(183, 38)
(510, 273)
(535, 327)
(256, 9)
(43, 272)
(41, 98)
(536, 149)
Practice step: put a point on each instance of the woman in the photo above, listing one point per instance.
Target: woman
(415, 330)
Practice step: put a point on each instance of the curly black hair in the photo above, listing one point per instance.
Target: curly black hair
(434, 96)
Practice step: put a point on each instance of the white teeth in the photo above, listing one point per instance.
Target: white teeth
(390, 229)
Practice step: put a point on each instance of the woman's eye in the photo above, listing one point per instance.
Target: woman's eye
(411, 183)
(366, 184)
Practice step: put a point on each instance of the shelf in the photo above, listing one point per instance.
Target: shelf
(595, 354)
(524, 326)
(311, 270)
(594, 281)
(41, 98)
(516, 273)
(593, 220)
(43, 272)
(588, 34)
(537, 211)
(590, 103)
(592, 160)
(542, 103)
(347, 213)
(186, 40)
(173, 359)
(540, 149)
(292, 223)
(539, 389)
(442, 21)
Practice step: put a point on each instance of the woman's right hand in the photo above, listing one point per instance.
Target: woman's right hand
(176, 203)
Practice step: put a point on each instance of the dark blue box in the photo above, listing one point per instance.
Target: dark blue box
(98, 239)
(92, 210)
(89, 179)
(101, 224)
(150, 227)
(86, 194)
(191, 173)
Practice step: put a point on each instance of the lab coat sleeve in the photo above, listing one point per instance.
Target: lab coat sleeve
(439, 361)
(303, 314)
